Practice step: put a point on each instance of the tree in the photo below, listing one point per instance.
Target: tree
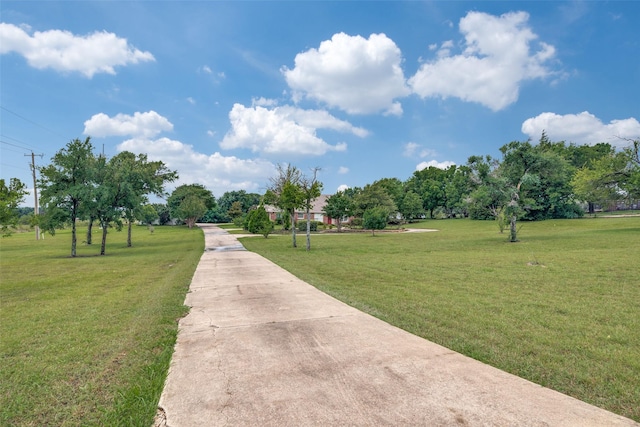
(148, 214)
(65, 185)
(373, 196)
(110, 196)
(10, 197)
(164, 216)
(235, 210)
(411, 206)
(137, 177)
(429, 184)
(393, 187)
(489, 191)
(338, 206)
(258, 222)
(611, 177)
(594, 183)
(311, 189)
(456, 189)
(375, 218)
(285, 193)
(191, 211)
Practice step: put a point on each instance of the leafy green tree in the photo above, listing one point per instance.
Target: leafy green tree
(191, 208)
(544, 177)
(394, 188)
(247, 201)
(285, 193)
(411, 206)
(373, 196)
(609, 178)
(489, 191)
(109, 196)
(311, 189)
(148, 214)
(457, 187)
(10, 197)
(339, 206)
(258, 222)
(429, 183)
(138, 177)
(188, 210)
(235, 210)
(65, 185)
(164, 216)
(375, 218)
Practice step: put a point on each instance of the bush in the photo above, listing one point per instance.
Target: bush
(239, 222)
(257, 222)
(302, 226)
(356, 222)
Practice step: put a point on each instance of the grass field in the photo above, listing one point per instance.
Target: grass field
(88, 340)
(560, 308)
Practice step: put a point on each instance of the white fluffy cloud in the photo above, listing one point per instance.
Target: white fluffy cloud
(435, 164)
(498, 56)
(147, 124)
(357, 75)
(284, 130)
(217, 172)
(582, 128)
(94, 53)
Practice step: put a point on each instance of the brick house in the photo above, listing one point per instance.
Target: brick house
(316, 212)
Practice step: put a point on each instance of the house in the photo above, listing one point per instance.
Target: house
(316, 212)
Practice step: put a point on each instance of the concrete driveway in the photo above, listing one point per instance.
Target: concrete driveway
(263, 348)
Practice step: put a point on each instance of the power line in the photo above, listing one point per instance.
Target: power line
(15, 145)
(31, 121)
(16, 140)
(4, 165)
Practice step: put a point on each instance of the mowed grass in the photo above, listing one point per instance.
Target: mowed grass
(560, 308)
(88, 340)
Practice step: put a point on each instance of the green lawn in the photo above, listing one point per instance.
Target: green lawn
(560, 308)
(88, 340)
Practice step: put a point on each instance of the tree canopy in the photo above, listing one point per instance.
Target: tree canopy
(189, 202)
(10, 197)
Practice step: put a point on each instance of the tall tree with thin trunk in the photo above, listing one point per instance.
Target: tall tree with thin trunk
(311, 190)
(285, 193)
(65, 185)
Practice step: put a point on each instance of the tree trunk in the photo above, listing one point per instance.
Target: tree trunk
(103, 245)
(73, 237)
(592, 208)
(90, 231)
(293, 229)
(513, 237)
(308, 231)
(339, 224)
(129, 235)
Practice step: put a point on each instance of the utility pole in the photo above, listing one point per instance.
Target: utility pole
(35, 190)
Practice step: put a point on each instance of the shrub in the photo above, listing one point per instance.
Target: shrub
(302, 226)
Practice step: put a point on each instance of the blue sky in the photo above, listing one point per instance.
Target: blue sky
(222, 91)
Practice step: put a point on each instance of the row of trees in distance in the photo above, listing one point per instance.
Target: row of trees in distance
(530, 182)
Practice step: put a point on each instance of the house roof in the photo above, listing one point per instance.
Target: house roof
(317, 206)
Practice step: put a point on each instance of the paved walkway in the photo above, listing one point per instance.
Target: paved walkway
(263, 348)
